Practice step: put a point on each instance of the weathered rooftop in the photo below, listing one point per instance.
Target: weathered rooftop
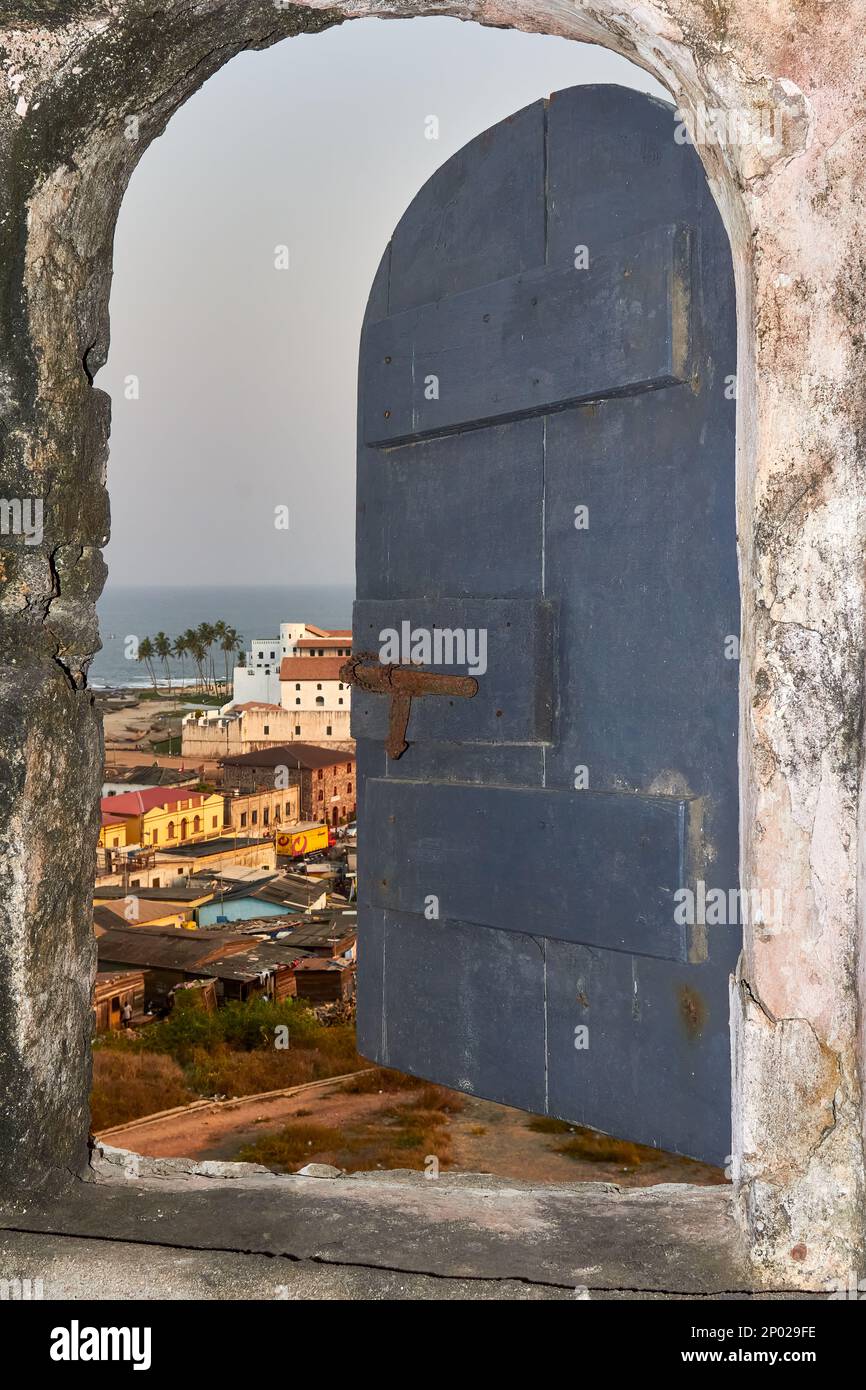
(299, 756)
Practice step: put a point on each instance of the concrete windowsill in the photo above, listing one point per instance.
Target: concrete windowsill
(172, 1228)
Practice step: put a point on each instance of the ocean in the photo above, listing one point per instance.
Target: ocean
(254, 612)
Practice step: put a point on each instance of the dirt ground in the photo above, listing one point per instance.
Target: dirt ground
(129, 728)
(484, 1138)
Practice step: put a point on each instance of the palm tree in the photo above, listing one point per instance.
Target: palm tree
(180, 650)
(146, 654)
(206, 635)
(198, 652)
(230, 641)
(162, 648)
(189, 640)
(219, 631)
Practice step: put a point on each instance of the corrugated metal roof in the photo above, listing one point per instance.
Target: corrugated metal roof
(300, 756)
(221, 955)
(200, 849)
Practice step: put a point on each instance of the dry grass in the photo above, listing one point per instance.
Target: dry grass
(127, 1085)
(404, 1134)
(380, 1080)
(226, 1072)
(547, 1124)
(195, 1055)
(588, 1145)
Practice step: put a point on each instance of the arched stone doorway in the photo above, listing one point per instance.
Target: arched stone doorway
(87, 91)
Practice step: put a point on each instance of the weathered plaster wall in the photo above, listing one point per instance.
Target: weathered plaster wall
(73, 71)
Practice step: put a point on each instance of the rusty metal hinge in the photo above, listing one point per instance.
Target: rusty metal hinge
(403, 684)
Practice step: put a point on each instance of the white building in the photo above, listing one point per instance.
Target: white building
(259, 679)
(312, 685)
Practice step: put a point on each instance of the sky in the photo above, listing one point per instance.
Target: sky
(244, 395)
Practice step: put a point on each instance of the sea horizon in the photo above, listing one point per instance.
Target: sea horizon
(255, 610)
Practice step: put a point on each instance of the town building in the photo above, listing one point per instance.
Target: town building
(324, 981)
(259, 678)
(311, 686)
(112, 990)
(277, 897)
(153, 868)
(209, 734)
(144, 776)
(262, 811)
(158, 816)
(227, 852)
(325, 776)
(133, 911)
(242, 966)
(329, 935)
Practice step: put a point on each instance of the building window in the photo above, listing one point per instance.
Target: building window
(348, 767)
(297, 702)
(288, 808)
(297, 728)
(322, 795)
(321, 773)
(255, 817)
(154, 837)
(267, 728)
(340, 700)
(243, 819)
(196, 824)
(318, 685)
(320, 699)
(213, 822)
(266, 816)
(348, 788)
(273, 654)
(170, 831)
(297, 685)
(328, 730)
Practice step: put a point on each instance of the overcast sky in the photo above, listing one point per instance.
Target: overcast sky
(247, 373)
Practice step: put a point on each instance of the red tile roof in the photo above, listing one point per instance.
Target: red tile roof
(310, 668)
(257, 704)
(136, 803)
(327, 631)
(337, 639)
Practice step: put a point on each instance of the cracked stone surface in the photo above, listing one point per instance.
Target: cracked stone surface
(668, 1240)
(74, 71)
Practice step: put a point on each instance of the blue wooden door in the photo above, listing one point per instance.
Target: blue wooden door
(546, 502)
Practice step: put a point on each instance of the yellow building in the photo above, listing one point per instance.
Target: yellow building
(160, 817)
(192, 818)
(116, 830)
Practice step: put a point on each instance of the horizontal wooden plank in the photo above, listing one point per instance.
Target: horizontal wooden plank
(598, 868)
(534, 342)
(514, 702)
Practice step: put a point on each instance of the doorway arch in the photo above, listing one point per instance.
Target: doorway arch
(795, 1004)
